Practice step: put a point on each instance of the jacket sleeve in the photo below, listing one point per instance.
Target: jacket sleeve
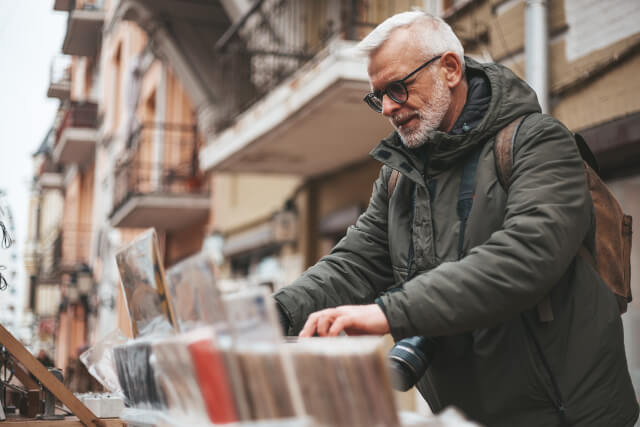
(356, 271)
(548, 213)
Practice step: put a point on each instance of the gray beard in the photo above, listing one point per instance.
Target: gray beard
(412, 142)
(430, 117)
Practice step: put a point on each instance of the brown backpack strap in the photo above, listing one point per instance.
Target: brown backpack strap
(503, 153)
(391, 185)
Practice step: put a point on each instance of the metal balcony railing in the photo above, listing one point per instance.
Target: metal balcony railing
(162, 160)
(276, 37)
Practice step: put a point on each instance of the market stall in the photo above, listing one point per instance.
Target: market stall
(203, 357)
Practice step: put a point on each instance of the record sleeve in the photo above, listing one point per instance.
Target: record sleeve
(142, 276)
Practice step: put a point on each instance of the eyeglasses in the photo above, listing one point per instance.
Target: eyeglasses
(396, 90)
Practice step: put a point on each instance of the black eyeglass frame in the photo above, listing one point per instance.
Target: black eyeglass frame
(374, 99)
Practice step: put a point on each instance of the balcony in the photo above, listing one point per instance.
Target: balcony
(76, 137)
(272, 41)
(159, 183)
(51, 181)
(60, 78)
(84, 28)
(287, 83)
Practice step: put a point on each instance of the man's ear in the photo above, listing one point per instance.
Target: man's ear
(452, 69)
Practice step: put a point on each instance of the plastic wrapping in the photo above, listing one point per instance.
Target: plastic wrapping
(253, 318)
(136, 375)
(344, 381)
(137, 417)
(265, 369)
(143, 281)
(175, 376)
(100, 362)
(193, 293)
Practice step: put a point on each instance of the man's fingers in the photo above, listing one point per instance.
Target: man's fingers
(318, 323)
(338, 325)
(356, 320)
(324, 321)
(309, 328)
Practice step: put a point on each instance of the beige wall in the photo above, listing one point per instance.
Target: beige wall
(183, 243)
(242, 200)
(119, 47)
(607, 97)
(77, 218)
(179, 108)
(71, 219)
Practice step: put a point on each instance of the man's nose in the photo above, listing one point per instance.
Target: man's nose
(389, 106)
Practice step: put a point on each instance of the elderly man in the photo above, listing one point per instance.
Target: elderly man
(413, 265)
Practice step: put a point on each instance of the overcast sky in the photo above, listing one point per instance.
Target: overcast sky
(31, 33)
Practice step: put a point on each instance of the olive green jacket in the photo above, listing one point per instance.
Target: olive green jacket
(518, 248)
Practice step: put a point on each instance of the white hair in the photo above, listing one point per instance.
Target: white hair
(434, 38)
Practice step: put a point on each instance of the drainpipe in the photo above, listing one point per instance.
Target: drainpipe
(536, 49)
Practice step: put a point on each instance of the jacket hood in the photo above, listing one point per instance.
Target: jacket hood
(511, 98)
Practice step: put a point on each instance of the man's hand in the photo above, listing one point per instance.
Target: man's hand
(353, 319)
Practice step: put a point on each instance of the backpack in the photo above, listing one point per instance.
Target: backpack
(610, 255)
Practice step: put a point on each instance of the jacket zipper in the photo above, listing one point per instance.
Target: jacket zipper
(559, 403)
(411, 250)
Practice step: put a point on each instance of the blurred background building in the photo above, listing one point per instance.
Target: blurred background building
(239, 126)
